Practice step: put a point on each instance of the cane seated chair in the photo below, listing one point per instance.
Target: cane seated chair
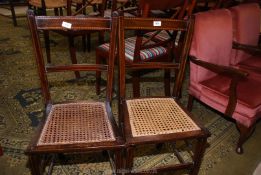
(215, 81)
(153, 120)
(80, 126)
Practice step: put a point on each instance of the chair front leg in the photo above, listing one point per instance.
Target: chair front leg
(244, 135)
(35, 163)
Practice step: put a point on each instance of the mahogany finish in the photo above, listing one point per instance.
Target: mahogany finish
(126, 113)
(42, 145)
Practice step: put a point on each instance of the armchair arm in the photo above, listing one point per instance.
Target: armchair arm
(253, 50)
(235, 74)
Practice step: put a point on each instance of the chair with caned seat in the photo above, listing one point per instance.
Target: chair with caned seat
(144, 49)
(79, 126)
(157, 120)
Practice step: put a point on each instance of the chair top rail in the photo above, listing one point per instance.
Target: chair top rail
(154, 24)
(72, 23)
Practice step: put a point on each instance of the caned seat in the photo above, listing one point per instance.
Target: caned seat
(75, 126)
(155, 116)
(76, 123)
(154, 120)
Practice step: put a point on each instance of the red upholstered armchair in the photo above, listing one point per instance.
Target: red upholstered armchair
(246, 30)
(214, 81)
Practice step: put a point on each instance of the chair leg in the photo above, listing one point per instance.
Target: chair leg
(47, 46)
(244, 135)
(73, 55)
(136, 84)
(198, 155)
(129, 160)
(118, 162)
(1, 151)
(88, 42)
(190, 102)
(13, 13)
(167, 82)
(34, 162)
(98, 75)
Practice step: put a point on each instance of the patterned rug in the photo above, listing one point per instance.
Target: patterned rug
(22, 108)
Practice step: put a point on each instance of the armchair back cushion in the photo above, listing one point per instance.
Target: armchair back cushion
(246, 28)
(211, 42)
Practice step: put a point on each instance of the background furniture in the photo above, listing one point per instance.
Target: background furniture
(217, 83)
(145, 47)
(10, 5)
(73, 127)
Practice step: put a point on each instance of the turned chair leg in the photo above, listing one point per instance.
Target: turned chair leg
(244, 135)
(190, 103)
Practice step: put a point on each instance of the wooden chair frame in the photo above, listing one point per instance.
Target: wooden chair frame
(37, 152)
(132, 141)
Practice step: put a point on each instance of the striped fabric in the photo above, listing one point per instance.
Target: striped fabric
(145, 54)
(162, 36)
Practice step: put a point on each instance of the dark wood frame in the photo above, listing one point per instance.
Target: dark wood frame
(131, 142)
(236, 75)
(37, 153)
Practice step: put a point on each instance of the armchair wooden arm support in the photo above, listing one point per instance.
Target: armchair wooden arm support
(235, 74)
(253, 50)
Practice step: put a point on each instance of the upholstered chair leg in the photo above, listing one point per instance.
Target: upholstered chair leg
(167, 82)
(136, 84)
(190, 102)
(244, 134)
(198, 155)
(73, 54)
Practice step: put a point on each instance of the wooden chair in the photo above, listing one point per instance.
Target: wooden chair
(1, 151)
(144, 49)
(234, 92)
(87, 126)
(153, 120)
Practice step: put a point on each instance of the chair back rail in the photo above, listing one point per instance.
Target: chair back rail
(148, 24)
(51, 23)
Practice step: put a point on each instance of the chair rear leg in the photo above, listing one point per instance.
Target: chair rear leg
(136, 84)
(73, 54)
(98, 75)
(47, 46)
(190, 102)
(244, 135)
(1, 151)
(167, 82)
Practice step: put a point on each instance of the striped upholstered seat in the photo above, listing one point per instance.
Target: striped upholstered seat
(162, 36)
(145, 54)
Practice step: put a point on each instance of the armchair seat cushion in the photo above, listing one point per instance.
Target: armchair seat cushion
(145, 54)
(251, 62)
(215, 93)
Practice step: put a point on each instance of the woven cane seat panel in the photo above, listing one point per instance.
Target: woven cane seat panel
(49, 3)
(155, 116)
(76, 123)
